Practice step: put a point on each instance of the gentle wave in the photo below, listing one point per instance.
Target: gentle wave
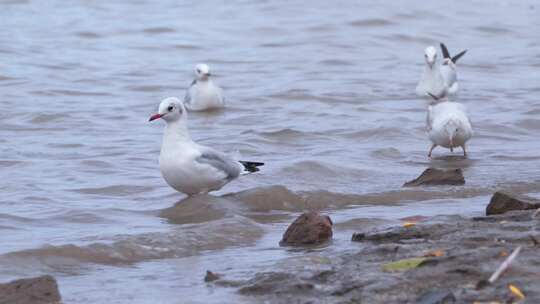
(189, 241)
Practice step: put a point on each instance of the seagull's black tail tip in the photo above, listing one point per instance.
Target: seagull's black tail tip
(251, 166)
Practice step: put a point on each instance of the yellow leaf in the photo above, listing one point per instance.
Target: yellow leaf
(403, 265)
(408, 224)
(516, 291)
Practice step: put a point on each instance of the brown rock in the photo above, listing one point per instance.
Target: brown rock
(502, 202)
(437, 177)
(39, 290)
(310, 228)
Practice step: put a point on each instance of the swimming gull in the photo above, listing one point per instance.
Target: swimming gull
(203, 94)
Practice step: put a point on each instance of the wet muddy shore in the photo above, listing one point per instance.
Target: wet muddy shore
(456, 255)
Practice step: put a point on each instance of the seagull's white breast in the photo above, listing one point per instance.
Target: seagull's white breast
(450, 78)
(182, 172)
(205, 95)
(431, 81)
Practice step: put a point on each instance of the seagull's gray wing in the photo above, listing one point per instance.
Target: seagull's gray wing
(220, 162)
(187, 98)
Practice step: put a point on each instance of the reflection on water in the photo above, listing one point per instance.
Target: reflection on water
(323, 94)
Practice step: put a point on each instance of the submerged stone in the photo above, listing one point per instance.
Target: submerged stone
(39, 290)
(437, 177)
(210, 276)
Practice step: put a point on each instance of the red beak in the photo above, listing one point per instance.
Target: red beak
(155, 116)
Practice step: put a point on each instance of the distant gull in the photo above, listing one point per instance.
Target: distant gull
(448, 124)
(203, 94)
(187, 166)
(431, 81)
(448, 69)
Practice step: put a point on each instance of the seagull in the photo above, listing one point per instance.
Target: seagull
(448, 69)
(188, 167)
(203, 94)
(431, 81)
(448, 124)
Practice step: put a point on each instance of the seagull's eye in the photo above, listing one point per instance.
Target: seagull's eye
(198, 71)
(170, 108)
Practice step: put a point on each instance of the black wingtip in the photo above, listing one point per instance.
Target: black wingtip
(444, 50)
(251, 166)
(455, 58)
(432, 96)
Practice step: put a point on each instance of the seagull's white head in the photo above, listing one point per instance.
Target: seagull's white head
(202, 71)
(430, 54)
(170, 109)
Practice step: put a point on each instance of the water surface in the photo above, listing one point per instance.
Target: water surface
(322, 92)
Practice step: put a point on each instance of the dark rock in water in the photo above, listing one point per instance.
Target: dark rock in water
(276, 282)
(437, 297)
(39, 290)
(310, 228)
(210, 276)
(397, 234)
(502, 202)
(437, 177)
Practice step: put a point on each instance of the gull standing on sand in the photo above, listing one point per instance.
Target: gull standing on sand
(203, 94)
(431, 81)
(448, 124)
(448, 69)
(188, 167)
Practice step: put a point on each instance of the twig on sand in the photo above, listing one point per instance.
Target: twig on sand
(504, 265)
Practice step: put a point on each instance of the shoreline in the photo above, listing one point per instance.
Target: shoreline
(455, 255)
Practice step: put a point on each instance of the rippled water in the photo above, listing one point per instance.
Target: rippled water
(321, 92)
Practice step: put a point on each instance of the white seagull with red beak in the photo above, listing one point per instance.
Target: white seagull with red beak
(203, 94)
(448, 125)
(188, 167)
(431, 81)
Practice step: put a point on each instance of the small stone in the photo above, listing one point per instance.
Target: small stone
(437, 297)
(393, 234)
(39, 290)
(437, 177)
(268, 282)
(310, 228)
(211, 277)
(502, 202)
